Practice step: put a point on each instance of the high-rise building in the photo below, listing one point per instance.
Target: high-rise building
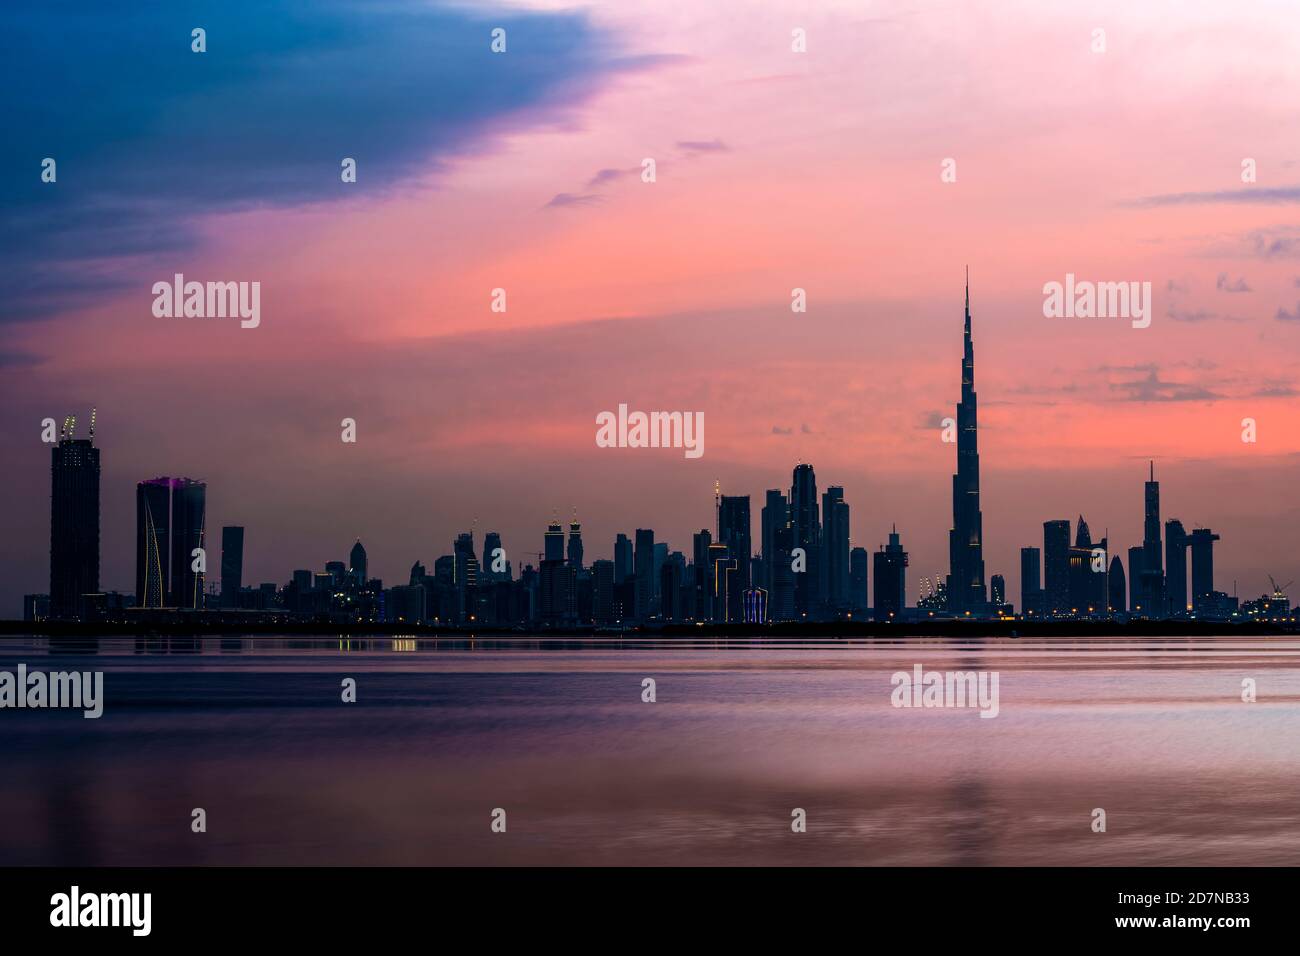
(493, 557)
(169, 528)
(553, 548)
(775, 514)
(466, 572)
(1087, 573)
(1202, 546)
(1136, 600)
(1153, 577)
(1176, 567)
(624, 566)
(781, 598)
(1056, 567)
(835, 550)
(859, 571)
(806, 528)
(890, 579)
(734, 532)
(232, 565)
(998, 590)
(645, 568)
(966, 592)
(602, 605)
(1031, 582)
(74, 519)
(357, 565)
(575, 545)
(1116, 587)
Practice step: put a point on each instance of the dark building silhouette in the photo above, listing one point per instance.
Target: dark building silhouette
(1136, 599)
(1152, 577)
(966, 591)
(575, 544)
(465, 580)
(806, 528)
(859, 572)
(775, 515)
(169, 526)
(1031, 581)
(781, 599)
(835, 551)
(1176, 567)
(603, 610)
(1116, 587)
(486, 571)
(1087, 574)
(357, 566)
(553, 542)
(889, 572)
(998, 590)
(734, 532)
(645, 582)
(232, 565)
(74, 519)
(1056, 567)
(624, 566)
(1202, 546)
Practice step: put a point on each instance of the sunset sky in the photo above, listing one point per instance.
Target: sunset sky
(775, 170)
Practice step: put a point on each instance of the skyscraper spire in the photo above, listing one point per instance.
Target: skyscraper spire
(966, 590)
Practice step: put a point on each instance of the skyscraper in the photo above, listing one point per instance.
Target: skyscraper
(889, 575)
(775, 514)
(859, 572)
(806, 534)
(1031, 581)
(74, 519)
(232, 564)
(1152, 578)
(734, 532)
(1202, 545)
(357, 564)
(966, 539)
(1115, 584)
(644, 557)
(1136, 600)
(487, 571)
(1056, 567)
(553, 547)
(998, 590)
(624, 567)
(575, 545)
(1176, 567)
(169, 527)
(835, 550)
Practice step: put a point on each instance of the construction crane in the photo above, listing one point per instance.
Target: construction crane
(1279, 592)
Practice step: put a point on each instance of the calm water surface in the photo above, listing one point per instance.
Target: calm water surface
(254, 731)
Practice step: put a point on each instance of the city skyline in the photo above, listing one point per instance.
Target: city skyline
(807, 570)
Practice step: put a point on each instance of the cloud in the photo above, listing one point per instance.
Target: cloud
(778, 430)
(561, 200)
(1150, 388)
(1275, 391)
(1275, 243)
(1223, 284)
(697, 147)
(604, 177)
(1200, 315)
(151, 138)
(1284, 316)
(805, 429)
(1173, 285)
(1276, 196)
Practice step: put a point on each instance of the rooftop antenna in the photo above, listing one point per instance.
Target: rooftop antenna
(92, 423)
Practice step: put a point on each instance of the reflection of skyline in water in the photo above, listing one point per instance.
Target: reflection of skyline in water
(253, 731)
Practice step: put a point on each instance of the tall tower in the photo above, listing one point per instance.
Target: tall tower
(74, 519)
(1152, 579)
(807, 535)
(169, 527)
(966, 539)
